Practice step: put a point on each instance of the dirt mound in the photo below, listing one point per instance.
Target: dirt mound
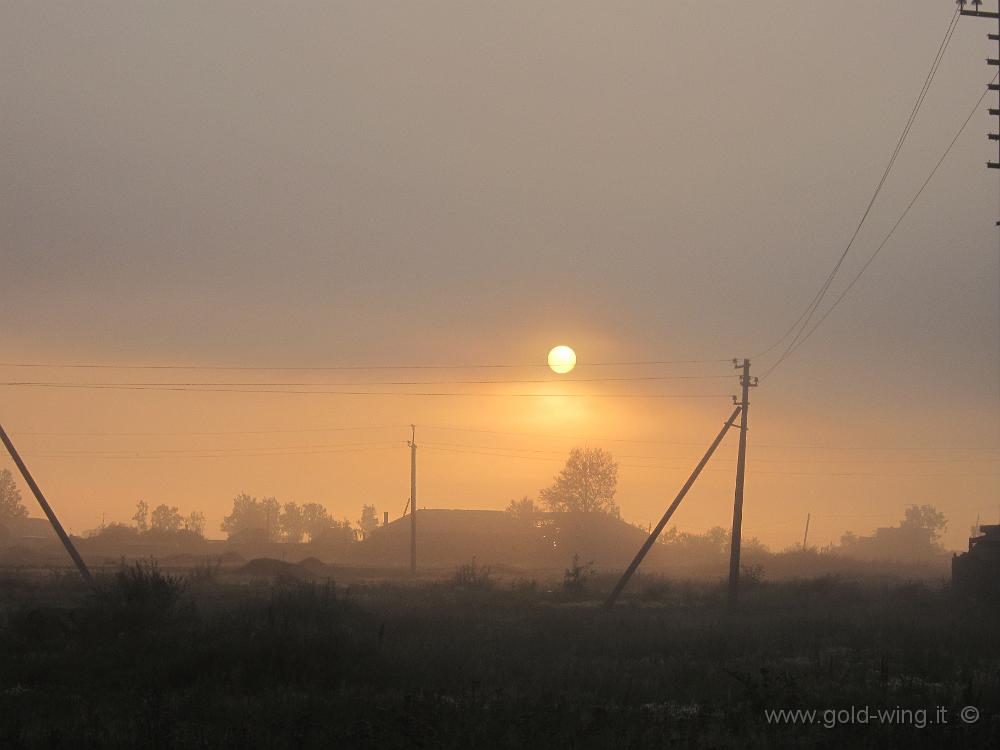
(231, 558)
(266, 567)
(315, 566)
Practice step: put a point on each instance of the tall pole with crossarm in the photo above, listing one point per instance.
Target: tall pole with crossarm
(741, 465)
(975, 9)
(413, 499)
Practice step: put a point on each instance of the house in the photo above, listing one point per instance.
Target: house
(901, 543)
(977, 572)
(446, 538)
(26, 532)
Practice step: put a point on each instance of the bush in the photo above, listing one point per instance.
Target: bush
(472, 576)
(576, 579)
(657, 589)
(139, 596)
(752, 575)
(522, 585)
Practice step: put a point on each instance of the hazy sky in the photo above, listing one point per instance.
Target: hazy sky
(384, 183)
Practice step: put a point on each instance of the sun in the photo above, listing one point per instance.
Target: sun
(562, 359)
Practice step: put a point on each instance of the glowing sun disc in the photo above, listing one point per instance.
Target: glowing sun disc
(562, 359)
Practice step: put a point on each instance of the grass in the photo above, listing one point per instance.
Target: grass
(155, 661)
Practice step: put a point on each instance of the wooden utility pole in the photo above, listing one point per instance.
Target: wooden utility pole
(413, 499)
(805, 537)
(741, 465)
(47, 509)
(648, 544)
(991, 61)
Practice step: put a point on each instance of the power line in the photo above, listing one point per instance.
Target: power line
(788, 446)
(123, 455)
(200, 384)
(497, 454)
(552, 452)
(224, 449)
(321, 368)
(802, 321)
(82, 386)
(792, 348)
(450, 428)
(216, 433)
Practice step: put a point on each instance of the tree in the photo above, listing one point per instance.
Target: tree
(523, 508)
(315, 520)
(165, 518)
(195, 522)
(10, 497)
(925, 517)
(141, 515)
(292, 523)
(253, 515)
(334, 533)
(369, 520)
(587, 483)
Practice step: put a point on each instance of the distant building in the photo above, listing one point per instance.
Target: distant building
(977, 572)
(26, 532)
(446, 538)
(902, 543)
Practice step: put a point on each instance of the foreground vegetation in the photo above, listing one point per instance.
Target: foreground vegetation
(152, 660)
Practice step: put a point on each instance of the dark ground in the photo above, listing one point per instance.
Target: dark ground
(211, 662)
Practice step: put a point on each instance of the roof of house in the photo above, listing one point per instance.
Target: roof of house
(28, 528)
(446, 537)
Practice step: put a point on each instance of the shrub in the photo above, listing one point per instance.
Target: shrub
(139, 596)
(577, 577)
(472, 576)
(752, 575)
(523, 585)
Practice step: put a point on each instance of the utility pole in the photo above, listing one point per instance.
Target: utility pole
(47, 509)
(648, 544)
(741, 465)
(993, 62)
(805, 537)
(413, 499)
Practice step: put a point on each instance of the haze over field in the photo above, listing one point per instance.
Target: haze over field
(443, 183)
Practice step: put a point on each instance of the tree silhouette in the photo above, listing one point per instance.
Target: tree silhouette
(368, 521)
(925, 517)
(195, 522)
(315, 520)
(253, 515)
(10, 497)
(141, 515)
(587, 483)
(165, 518)
(292, 523)
(523, 508)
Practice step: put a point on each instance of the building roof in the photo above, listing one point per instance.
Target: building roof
(28, 528)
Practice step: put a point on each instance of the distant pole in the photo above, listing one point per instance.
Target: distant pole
(413, 499)
(648, 544)
(47, 509)
(741, 465)
(385, 518)
(805, 537)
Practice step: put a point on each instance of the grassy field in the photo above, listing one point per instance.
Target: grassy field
(204, 661)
